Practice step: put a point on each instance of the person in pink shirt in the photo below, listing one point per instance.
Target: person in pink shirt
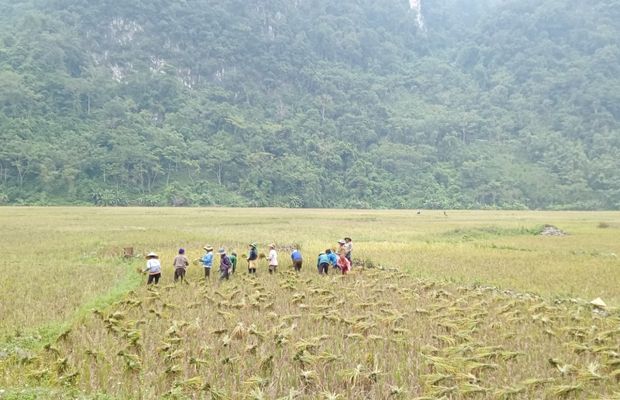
(344, 264)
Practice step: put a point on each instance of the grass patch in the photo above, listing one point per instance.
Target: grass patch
(486, 232)
(35, 338)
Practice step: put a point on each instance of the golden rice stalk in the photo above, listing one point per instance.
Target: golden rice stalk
(39, 374)
(377, 338)
(567, 369)
(69, 377)
(435, 379)
(52, 349)
(97, 355)
(218, 394)
(473, 366)
(467, 377)
(537, 382)
(226, 314)
(251, 348)
(467, 389)
(252, 330)
(239, 332)
(354, 336)
(510, 355)
(175, 355)
(508, 393)
(331, 396)
(226, 340)
(293, 394)
(440, 364)
(590, 374)
(307, 345)
(396, 391)
(198, 361)
(564, 390)
(173, 369)
(309, 377)
(257, 381)
(132, 361)
(353, 375)
(219, 332)
(327, 357)
(445, 340)
(441, 391)
(194, 383)
(266, 365)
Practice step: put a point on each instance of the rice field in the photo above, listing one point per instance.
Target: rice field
(467, 304)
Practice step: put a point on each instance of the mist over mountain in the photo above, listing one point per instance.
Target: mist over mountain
(311, 103)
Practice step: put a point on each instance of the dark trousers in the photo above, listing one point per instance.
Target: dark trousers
(207, 273)
(272, 268)
(252, 266)
(324, 268)
(297, 265)
(179, 273)
(224, 274)
(153, 279)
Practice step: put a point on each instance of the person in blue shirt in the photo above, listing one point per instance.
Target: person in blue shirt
(333, 258)
(207, 261)
(322, 264)
(297, 259)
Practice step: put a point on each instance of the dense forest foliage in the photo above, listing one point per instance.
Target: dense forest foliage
(311, 103)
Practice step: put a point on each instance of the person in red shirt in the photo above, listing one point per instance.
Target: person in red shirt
(344, 264)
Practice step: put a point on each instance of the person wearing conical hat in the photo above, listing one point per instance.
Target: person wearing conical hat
(207, 260)
(272, 258)
(348, 247)
(252, 258)
(153, 267)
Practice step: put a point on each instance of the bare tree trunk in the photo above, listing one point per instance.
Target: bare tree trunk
(22, 170)
(189, 174)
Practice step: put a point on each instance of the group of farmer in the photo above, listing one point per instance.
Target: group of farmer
(339, 260)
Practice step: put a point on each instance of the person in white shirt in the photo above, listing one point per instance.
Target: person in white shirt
(272, 258)
(348, 248)
(153, 267)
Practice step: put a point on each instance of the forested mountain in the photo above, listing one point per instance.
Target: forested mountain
(311, 103)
